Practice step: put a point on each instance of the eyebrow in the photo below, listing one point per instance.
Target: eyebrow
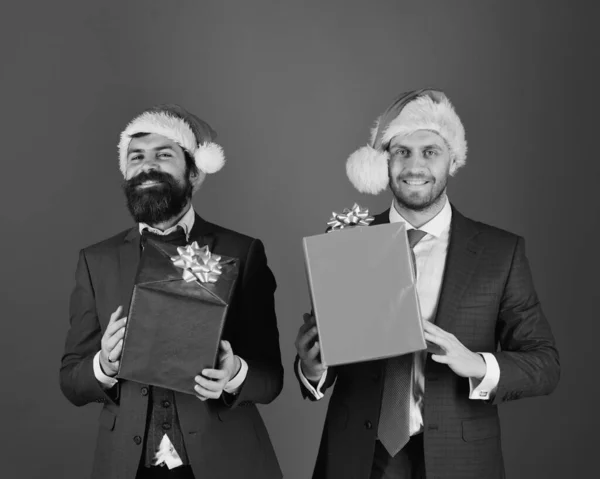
(426, 147)
(158, 148)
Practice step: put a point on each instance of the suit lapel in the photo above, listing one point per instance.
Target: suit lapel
(381, 218)
(463, 254)
(129, 260)
(203, 232)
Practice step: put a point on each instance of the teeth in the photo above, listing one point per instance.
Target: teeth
(415, 182)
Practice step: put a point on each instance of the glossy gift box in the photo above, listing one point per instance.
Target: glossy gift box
(177, 314)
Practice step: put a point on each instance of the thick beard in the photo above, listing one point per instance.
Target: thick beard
(419, 203)
(157, 204)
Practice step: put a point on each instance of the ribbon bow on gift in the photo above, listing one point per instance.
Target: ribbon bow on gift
(198, 264)
(357, 216)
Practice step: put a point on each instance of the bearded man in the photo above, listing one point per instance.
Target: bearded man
(433, 414)
(165, 154)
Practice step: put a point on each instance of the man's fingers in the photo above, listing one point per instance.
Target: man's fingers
(112, 340)
(313, 352)
(439, 358)
(116, 315)
(207, 393)
(434, 338)
(309, 319)
(115, 354)
(306, 338)
(226, 348)
(115, 326)
(429, 327)
(304, 328)
(217, 374)
(434, 348)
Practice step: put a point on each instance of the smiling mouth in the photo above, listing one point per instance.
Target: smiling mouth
(415, 182)
(148, 184)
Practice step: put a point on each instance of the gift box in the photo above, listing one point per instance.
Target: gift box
(177, 314)
(363, 292)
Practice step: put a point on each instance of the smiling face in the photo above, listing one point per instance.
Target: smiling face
(158, 179)
(418, 169)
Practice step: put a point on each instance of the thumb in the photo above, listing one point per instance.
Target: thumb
(226, 348)
(439, 358)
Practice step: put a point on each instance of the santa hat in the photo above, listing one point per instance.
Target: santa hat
(367, 167)
(184, 128)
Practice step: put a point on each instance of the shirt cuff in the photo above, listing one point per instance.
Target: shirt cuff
(234, 385)
(488, 385)
(315, 392)
(105, 381)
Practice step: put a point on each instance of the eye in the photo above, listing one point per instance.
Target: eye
(430, 153)
(165, 155)
(136, 158)
(401, 153)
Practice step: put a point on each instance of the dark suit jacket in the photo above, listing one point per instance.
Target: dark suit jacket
(489, 303)
(222, 440)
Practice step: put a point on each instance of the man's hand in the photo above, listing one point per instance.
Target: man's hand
(446, 349)
(112, 343)
(309, 349)
(211, 383)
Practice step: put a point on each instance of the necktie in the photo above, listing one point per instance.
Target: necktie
(177, 237)
(394, 419)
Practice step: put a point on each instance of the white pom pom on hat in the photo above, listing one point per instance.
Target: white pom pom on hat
(184, 128)
(426, 109)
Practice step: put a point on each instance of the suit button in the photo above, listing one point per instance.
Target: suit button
(166, 404)
(144, 391)
(166, 426)
(137, 440)
(368, 425)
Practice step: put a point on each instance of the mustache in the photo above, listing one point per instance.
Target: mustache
(152, 175)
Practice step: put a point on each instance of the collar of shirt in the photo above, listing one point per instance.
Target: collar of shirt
(436, 226)
(186, 222)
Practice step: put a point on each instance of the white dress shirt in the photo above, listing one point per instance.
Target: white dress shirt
(430, 255)
(166, 452)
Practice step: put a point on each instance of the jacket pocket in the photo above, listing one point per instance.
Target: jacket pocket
(480, 428)
(107, 419)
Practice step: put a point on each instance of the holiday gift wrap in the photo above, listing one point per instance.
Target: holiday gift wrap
(363, 290)
(177, 314)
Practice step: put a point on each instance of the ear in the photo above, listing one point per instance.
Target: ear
(453, 165)
(197, 178)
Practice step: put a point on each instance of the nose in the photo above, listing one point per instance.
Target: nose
(416, 163)
(149, 164)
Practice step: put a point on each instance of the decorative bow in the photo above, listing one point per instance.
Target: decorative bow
(198, 264)
(356, 216)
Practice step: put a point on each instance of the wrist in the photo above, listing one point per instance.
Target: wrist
(106, 371)
(312, 376)
(481, 369)
(237, 366)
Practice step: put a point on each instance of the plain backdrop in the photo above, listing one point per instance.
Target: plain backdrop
(292, 88)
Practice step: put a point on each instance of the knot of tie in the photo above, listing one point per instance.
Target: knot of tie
(414, 236)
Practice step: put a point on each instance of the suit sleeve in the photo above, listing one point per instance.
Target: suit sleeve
(77, 380)
(528, 358)
(255, 336)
